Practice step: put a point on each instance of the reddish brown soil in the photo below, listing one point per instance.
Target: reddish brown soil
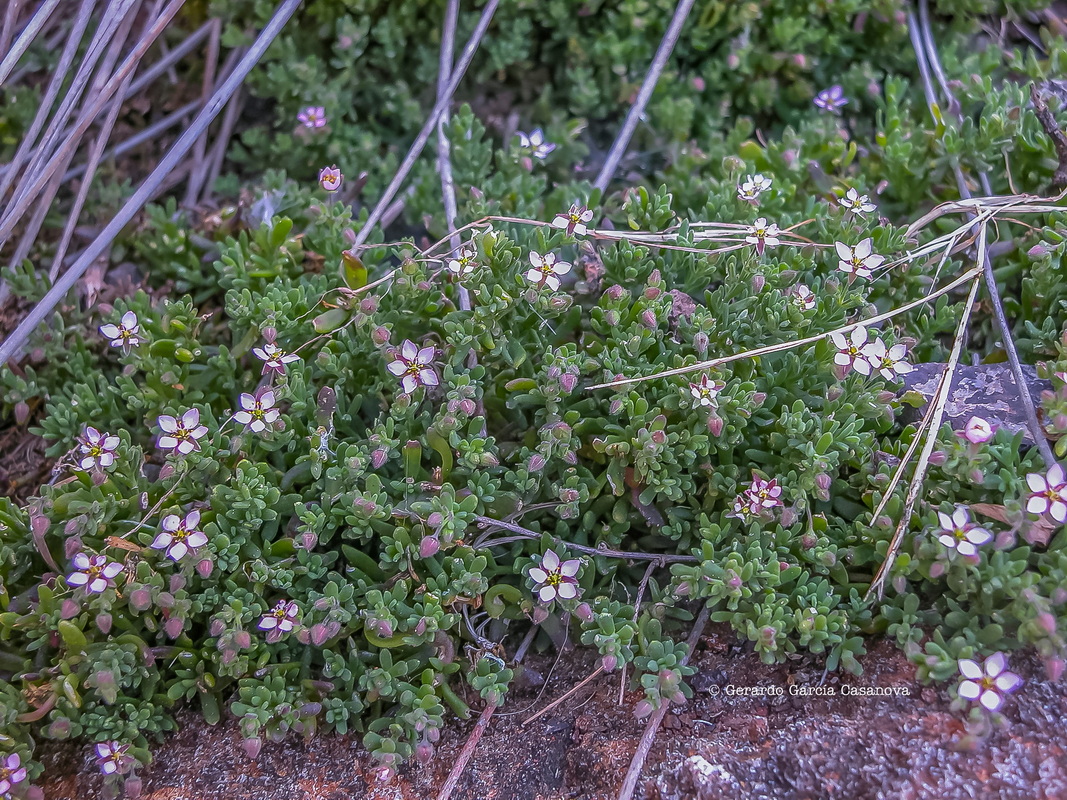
(716, 746)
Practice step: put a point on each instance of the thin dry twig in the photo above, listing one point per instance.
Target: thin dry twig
(207, 87)
(431, 123)
(629, 783)
(637, 110)
(577, 687)
(465, 754)
(29, 33)
(1055, 133)
(444, 154)
(12, 344)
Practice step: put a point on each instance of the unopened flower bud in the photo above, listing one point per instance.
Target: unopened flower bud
(132, 786)
(242, 639)
(643, 709)
(652, 292)
(380, 335)
(68, 609)
(537, 462)
(140, 600)
(173, 627)
(938, 457)
(758, 282)
(103, 622)
(378, 457)
(429, 546)
(216, 627)
(715, 423)
(568, 381)
(615, 292)
(252, 747)
(368, 305)
(1054, 668)
(649, 319)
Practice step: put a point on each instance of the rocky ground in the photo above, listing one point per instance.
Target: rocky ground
(789, 747)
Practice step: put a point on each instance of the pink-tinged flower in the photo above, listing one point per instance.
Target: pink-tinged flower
(706, 390)
(124, 334)
(978, 430)
(179, 535)
(887, 362)
(1048, 493)
(465, 264)
(111, 757)
(858, 260)
(97, 449)
(831, 99)
(988, 683)
(763, 493)
(962, 534)
(803, 297)
(574, 221)
(312, 117)
(856, 203)
(535, 143)
(330, 178)
(752, 187)
(181, 433)
(555, 578)
(93, 572)
(282, 617)
(850, 351)
(412, 366)
(274, 358)
(743, 509)
(762, 235)
(546, 270)
(11, 773)
(257, 411)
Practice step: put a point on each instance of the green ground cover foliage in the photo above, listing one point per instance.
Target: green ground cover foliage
(358, 517)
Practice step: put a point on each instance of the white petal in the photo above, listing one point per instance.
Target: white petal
(1055, 475)
(970, 669)
(570, 567)
(178, 551)
(844, 252)
(396, 367)
(991, 700)
(969, 690)
(550, 561)
(1037, 504)
(192, 519)
(409, 383)
(162, 541)
(196, 539)
(191, 418)
(167, 423)
(110, 331)
(567, 590)
(552, 282)
(247, 401)
(538, 574)
(1036, 482)
(81, 561)
(425, 355)
(1008, 682)
(409, 350)
(129, 320)
(547, 593)
(243, 417)
(77, 579)
(428, 377)
(536, 259)
(535, 275)
(96, 586)
(112, 569)
(995, 664)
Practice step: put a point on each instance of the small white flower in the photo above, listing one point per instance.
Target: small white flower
(850, 351)
(752, 187)
(856, 203)
(978, 430)
(575, 221)
(97, 449)
(535, 143)
(1048, 494)
(93, 572)
(181, 433)
(744, 508)
(412, 366)
(465, 264)
(111, 757)
(858, 260)
(763, 493)
(989, 682)
(555, 578)
(803, 297)
(546, 270)
(887, 362)
(960, 533)
(282, 617)
(762, 235)
(257, 411)
(179, 535)
(124, 334)
(274, 358)
(831, 99)
(706, 390)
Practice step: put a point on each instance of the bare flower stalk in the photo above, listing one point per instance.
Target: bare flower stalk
(29, 33)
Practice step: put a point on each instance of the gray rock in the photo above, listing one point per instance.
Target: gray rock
(987, 391)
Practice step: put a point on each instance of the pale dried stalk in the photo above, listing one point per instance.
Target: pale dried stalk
(174, 156)
(637, 110)
(452, 781)
(444, 155)
(211, 65)
(29, 33)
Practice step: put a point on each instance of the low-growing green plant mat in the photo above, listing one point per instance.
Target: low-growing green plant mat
(314, 486)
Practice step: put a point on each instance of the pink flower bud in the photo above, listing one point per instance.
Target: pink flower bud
(252, 747)
(167, 471)
(537, 462)
(937, 569)
(938, 457)
(318, 634)
(216, 627)
(429, 546)
(242, 639)
(68, 609)
(698, 83)
(204, 567)
(177, 582)
(609, 663)
(377, 458)
(140, 600)
(174, 626)
(103, 622)
(615, 407)
(652, 292)
(1047, 622)
(308, 540)
(808, 541)
(715, 424)
(643, 709)
(368, 305)
(59, 729)
(758, 282)
(423, 752)
(615, 292)
(583, 612)
(380, 335)
(1054, 668)
(568, 381)
(133, 787)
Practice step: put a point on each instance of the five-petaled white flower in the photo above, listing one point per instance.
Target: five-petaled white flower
(887, 362)
(803, 297)
(962, 534)
(124, 334)
(752, 187)
(274, 358)
(535, 143)
(574, 221)
(706, 390)
(412, 366)
(831, 99)
(850, 351)
(111, 757)
(856, 203)
(555, 578)
(465, 264)
(181, 433)
(858, 260)
(11, 773)
(763, 493)
(1048, 493)
(762, 234)
(281, 618)
(989, 682)
(179, 535)
(546, 270)
(97, 449)
(257, 411)
(312, 117)
(744, 509)
(978, 430)
(93, 572)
